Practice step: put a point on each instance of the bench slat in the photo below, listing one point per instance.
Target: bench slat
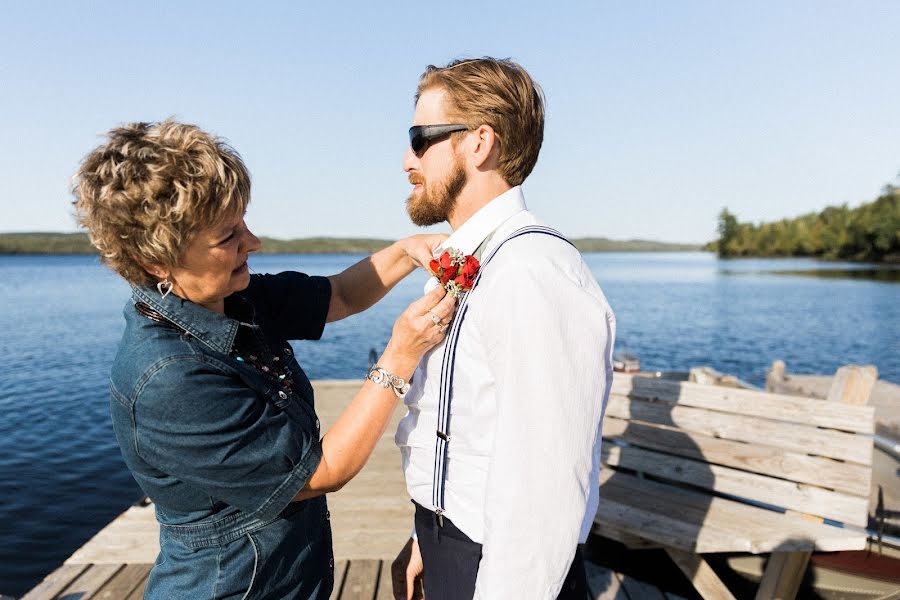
(824, 472)
(789, 436)
(701, 523)
(793, 409)
(666, 530)
(707, 525)
(693, 507)
(778, 492)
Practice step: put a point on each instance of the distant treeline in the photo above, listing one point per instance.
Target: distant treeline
(870, 232)
(607, 245)
(77, 243)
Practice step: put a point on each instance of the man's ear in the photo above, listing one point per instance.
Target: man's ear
(485, 146)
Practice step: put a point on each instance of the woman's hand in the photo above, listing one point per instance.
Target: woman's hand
(349, 442)
(418, 329)
(420, 248)
(360, 286)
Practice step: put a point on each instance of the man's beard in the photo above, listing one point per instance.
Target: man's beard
(430, 207)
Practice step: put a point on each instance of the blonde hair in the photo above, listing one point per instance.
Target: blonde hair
(144, 193)
(499, 93)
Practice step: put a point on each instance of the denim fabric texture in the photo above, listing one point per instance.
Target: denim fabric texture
(222, 447)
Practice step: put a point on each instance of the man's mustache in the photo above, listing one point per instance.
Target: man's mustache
(416, 179)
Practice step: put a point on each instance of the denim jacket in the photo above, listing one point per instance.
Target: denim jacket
(222, 447)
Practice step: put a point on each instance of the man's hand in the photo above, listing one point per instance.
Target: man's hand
(406, 573)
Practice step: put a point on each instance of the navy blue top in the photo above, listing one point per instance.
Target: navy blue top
(220, 446)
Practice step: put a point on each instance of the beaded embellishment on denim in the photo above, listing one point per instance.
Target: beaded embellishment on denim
(251, 348)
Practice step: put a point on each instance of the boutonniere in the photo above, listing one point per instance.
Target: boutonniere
(456, 271)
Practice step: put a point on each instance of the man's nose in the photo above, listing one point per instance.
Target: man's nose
(410, 160)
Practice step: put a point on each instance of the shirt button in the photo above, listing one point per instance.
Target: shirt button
(317, 424)
(327, 515)
(331, 564)
(288, 351)
(282, 395)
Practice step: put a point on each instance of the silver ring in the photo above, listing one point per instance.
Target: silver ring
(435, 319)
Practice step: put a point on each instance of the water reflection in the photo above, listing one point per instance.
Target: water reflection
(805, 267)
(885, 274)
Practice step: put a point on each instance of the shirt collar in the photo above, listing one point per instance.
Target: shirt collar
(480, 225)
(215, 330)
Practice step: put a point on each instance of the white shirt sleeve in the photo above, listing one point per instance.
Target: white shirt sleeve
(547, 331)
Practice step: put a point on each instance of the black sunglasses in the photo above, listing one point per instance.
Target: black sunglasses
(422, 135)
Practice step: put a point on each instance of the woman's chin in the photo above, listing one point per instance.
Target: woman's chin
(240, 279)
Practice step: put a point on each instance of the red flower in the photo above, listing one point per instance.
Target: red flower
(470, 267)
(447, 275)
(453, 266)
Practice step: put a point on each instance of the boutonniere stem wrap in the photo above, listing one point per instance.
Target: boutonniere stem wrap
(456, 271)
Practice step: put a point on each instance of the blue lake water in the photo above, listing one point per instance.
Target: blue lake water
(61, 475)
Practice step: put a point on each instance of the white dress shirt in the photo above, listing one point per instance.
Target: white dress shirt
(532, 376)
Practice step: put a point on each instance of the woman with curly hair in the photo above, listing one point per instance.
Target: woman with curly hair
(214, 416)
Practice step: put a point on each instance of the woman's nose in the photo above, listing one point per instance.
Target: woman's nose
(251, 243)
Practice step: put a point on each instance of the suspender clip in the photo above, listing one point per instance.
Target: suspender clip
(439, 515)
(443, 436)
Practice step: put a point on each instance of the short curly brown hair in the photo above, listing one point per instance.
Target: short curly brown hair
(144, 193)
(499, 93)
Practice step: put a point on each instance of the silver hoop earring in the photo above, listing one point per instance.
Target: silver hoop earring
(164, 287)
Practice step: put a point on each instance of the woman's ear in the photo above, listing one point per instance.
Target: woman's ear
(156, 270)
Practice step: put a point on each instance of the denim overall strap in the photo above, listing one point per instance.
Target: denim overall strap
(447, 371)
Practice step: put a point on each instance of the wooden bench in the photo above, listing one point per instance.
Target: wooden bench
(699, 469)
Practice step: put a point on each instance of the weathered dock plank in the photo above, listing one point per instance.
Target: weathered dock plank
(385, 586)
(362, 580)
(123, 583)
(604, 583)
(640, 590)
(90, 582)
(340, 572)
(56, 582)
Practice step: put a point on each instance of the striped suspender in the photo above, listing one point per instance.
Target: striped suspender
(447, 371)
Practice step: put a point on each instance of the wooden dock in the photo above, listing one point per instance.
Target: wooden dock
(371, 520)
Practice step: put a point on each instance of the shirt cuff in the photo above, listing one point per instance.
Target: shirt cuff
(292, 485)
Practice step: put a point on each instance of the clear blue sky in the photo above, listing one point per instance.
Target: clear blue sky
(659, 113)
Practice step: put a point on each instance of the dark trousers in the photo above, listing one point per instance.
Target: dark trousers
(451, 562)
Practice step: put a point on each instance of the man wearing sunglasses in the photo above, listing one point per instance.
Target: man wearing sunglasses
(501, 442)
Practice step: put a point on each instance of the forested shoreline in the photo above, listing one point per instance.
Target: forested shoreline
(78, 243)
(869, 232)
